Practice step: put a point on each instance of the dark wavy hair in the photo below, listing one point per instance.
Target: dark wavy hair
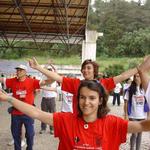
(132, 89)
(95, 66)
(94, 85)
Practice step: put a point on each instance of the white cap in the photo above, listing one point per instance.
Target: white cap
(21, 67)
(49, 67)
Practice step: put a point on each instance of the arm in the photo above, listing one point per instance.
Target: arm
(1, 80)
(29, 110)
(52, 67)
(143, 67)
(125, 75)
(125, 109)
(138, 126)
(50, 74)
(46, 82)
(144, 79)
(143, 72)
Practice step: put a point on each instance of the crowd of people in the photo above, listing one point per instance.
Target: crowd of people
(88, 125)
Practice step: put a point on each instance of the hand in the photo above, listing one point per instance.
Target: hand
(33, 63)
(50, 61)
(145, 66)
(3, 96)
(126, 117)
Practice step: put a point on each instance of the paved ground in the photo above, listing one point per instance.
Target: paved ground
(47, 141)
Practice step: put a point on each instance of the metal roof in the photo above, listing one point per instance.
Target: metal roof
(53, 21)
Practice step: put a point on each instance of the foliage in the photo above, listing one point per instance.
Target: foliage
(135, 43)
(28, 49)
(125, 26)
(121, 21)
(114, 70)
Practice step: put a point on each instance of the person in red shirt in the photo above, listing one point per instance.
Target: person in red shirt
(92, 128)
(89, 69)
(23, 88)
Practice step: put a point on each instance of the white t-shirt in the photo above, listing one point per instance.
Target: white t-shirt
(147, 95)
(137, 106)
(67, 100)
(118, 88)
(46, 93)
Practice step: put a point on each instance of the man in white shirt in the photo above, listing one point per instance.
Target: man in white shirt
(66, 98)
(116, 95)
(48, 104)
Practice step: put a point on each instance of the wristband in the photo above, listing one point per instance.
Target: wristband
(10, 100)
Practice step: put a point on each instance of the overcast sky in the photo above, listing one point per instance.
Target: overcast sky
(92, 1)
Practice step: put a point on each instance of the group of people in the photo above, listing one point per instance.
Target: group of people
(89, 126)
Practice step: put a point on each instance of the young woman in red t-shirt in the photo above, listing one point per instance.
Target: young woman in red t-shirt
(92, 128)
(89, 70)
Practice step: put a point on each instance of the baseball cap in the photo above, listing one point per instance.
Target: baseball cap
(49, 67)
(21, 67)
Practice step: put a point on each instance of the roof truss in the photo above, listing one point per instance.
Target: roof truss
(40, 21)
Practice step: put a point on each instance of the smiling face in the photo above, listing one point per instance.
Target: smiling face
(89, 103)
(92, 100)
(88, 72)
(89, 69)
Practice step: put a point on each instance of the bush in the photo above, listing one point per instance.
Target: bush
(114, 70)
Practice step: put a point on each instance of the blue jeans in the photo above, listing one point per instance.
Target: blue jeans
(16, 127)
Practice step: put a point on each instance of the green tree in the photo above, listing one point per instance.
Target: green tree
(135, 43)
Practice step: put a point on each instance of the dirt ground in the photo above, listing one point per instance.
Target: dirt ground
(47, 141)
(41, 141)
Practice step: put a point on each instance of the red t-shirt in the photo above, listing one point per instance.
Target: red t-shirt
(23, 90)
(106, 133)
(71, 85)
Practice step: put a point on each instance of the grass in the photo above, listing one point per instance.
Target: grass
(104, 62)
(125, 61)
(72, 60)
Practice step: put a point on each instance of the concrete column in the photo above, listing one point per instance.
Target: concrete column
(89, 45)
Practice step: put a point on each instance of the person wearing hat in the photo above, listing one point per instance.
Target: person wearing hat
(23, 88)
(93, 128)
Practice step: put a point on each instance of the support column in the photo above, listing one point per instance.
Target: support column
(89, 45)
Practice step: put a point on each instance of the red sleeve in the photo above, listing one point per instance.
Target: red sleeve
(36, 84)
(124, 131)
(9, 82)
(70, 85)
(118, 127)
(60, 121)
(108, 83)
(56, 123)
(122, 126)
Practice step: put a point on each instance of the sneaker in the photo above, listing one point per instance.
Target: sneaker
(11, 143)
(42, 131)
(23, 143)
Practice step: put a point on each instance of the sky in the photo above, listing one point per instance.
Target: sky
(92, 1)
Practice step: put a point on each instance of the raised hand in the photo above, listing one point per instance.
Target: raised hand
(33, 63)
(145, 66)
(3, 96)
